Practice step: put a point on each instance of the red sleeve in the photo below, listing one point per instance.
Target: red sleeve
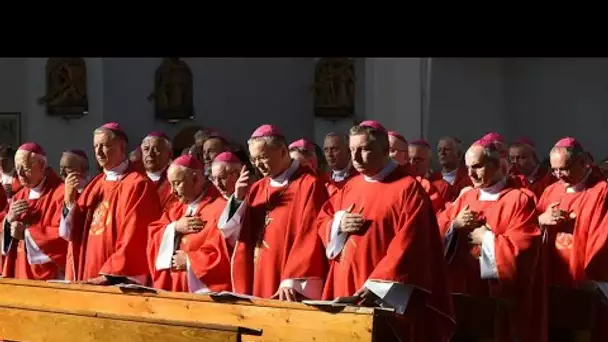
(211, 262)
(306, 258)
(45, 232)
(517, 248)
(155, 237)
(138, 207)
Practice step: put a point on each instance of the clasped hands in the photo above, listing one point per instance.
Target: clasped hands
(16, 210)
(554, 216)
(471, 220)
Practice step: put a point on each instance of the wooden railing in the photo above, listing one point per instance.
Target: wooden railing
(39, 311)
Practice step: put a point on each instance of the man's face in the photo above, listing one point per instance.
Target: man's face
(224, 177)
(109, 151)
(304, 159)
(336, 152)
(30, 170)
(420, 159)
(447, 153)
(267, 158)
(156, 153)
(367, 156)
(184, 183)
(481, 171)
(571, 171)
(211, 148)
(522, 159)
(398, 150)
(69, 163)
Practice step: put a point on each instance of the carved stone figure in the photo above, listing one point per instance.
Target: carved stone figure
(173, 91)
(334, 88)
(66, 87)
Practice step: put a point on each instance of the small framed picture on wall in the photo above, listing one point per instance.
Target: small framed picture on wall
(10, 128)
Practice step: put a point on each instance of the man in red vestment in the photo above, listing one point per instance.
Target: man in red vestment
(156, 154)
(575, 217)
(107, 225)
(449, 155)
(398, 151)
(186, 251)
(75, 160)
(303, 151)
(10, 181)
(337, 155)
(525, 162)
(225, 171)
(30, 239)
(135, 157)
(277, 251)
(215, 144)
(420, 155)
(493, 246)
(375, 234)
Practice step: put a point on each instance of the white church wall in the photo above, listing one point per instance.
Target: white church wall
(57, 134)
(232, 95)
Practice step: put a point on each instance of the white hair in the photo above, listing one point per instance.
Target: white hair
(166, 141)
(33, 156)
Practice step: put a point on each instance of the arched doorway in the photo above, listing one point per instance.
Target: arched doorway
(184, 139)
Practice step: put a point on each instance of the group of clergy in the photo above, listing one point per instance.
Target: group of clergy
(379, 228)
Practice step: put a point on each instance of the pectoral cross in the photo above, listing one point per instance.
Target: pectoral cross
(267, 219)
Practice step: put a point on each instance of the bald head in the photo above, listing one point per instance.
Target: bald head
(30, 168)
(187, 184)
(449, 153)
(336, 151)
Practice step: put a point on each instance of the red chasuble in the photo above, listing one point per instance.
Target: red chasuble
(110, 227)
(434, 194)
(578, 248)
(446, 191)
(401, 232)
(207, 251)
(511, 216)
(278, 239)
(542, 180)
(165, 193)
(329, 185)
(42, 221)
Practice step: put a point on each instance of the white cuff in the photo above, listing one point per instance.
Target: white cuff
(603, 286)
(35, 256)
(395, 295)
(311, 288)
(195, 285)
(166, 250)
(487, 261)
(337, 239)
(65, 224)
(230, 227)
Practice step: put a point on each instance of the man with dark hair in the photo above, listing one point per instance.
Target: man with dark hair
(524, 161)
(337, 155)
(375, 233)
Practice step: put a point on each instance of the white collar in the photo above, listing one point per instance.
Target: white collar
(388, 168)
(580, 186)
(36, 192)
(492, 192)
(450, 173)
(283, 178)
(532, 176)
(115, 173)
(340, 175)
(155, 176)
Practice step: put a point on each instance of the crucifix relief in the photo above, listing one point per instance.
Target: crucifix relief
(173, 99)
(334, 87)
(66, 87)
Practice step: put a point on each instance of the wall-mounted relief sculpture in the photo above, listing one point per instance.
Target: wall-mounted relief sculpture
(173, 100)
(66, 87)
(334, 87)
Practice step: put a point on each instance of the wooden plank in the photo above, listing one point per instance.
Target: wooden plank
(279, 321)
(44, 326)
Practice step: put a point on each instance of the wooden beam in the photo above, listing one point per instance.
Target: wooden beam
(278, 320)
(34, 325)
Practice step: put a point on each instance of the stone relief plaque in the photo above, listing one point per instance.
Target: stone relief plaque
(173, 99)
(334, 87)
(66, 87)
